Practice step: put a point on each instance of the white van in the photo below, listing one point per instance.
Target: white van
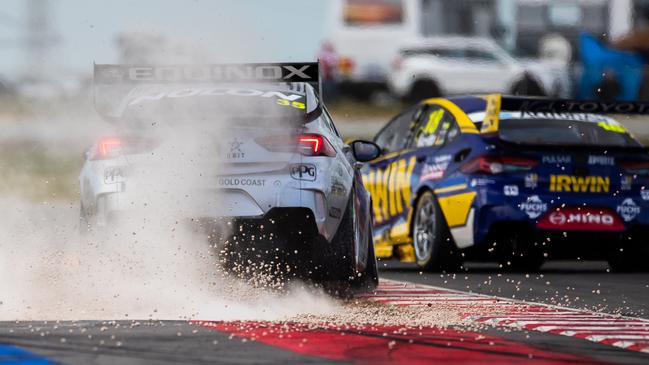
(366, 36)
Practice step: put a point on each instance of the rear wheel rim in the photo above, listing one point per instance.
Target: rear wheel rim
(424, 232)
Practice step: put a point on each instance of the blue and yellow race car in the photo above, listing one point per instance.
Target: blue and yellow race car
(511, 179)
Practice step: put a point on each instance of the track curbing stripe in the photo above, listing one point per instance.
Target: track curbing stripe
(620, 331)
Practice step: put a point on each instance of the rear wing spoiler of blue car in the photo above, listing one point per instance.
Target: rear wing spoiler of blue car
(535, 105)
(497, 103)
(542, 105)
(113, 84)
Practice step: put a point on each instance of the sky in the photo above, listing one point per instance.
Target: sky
(229, 30)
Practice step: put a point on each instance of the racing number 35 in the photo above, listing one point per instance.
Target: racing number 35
(294, 104)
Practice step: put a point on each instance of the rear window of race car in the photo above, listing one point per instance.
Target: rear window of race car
(243, 106)
(579, 130)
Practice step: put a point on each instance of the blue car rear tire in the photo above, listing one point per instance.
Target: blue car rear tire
(434, 246)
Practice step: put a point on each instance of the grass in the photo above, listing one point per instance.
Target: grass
(12, 106)
(38, 174)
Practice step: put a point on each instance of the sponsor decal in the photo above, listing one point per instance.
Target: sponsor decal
(282, 98)
(579, 184)
(235, 149)
(556, 159)
(531, 181)
(337, 188)
(297, 72)
(335, 212)
(628, 210)
(510, 190)
(577, 117)
(644, 194)
(390, 188)
(113, 175)
(481, 182)
(557, 218)
(581, 219)
(303, 171)
(626, 182)
(235, 181)
(575, 106)
(601, 160)
(533, 207)
(435, 170)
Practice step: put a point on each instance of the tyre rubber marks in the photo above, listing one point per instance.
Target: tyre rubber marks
(625, 332)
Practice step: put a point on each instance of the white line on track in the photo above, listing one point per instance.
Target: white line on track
(593, 327)
(623, 332)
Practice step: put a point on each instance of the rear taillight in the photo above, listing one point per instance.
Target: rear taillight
(306, 144)
(496, 165)
(107, 148)
(636, 167)
(315, 145)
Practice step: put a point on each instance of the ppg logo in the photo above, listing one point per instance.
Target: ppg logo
(303, 171)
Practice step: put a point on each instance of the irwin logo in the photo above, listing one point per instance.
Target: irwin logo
(390, 188)
(579, 184)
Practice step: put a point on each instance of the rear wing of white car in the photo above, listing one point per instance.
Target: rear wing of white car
(114, 85)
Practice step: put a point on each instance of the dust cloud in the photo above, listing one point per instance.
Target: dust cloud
(150, 264)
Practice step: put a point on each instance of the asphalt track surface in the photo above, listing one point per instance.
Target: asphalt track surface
(603, 296)
(583, 285)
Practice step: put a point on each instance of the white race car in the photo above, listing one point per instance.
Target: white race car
(267, 159)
